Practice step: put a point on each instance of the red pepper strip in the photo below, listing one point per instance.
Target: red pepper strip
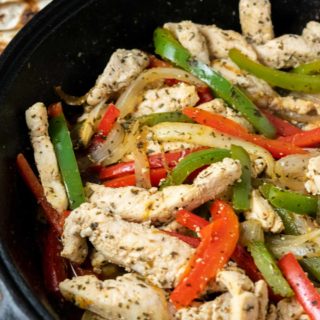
(31, 180)
(219, 240)
(284, 128)
(190, 220)
(277, 148)
(310, 138)
(205, 94)
(54, 266)
(111, 115)
(303, 288)
(154, 62)
(130, 180)
(156, 161)
(193, 242)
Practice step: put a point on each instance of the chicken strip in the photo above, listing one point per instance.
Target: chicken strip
(311, 33)
(123, 67)
(191, 38)
(218, 309)
(45, 157)
(221, 41)
(312, 184)
(257, 89)
(261, 210)
(243, 301)
(126, 297)
(137, 204)
(287, 51)
(290, 309)
(220, 107)
(167, 99)
(150, 252)
(294, 104)
(255, 20)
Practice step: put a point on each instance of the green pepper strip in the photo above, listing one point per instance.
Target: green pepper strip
(155, 118)
(242, 188)
(308, 68)
(61, 140)
(169, 48)
(192, 162)
(311, 265)
(269, 269)
(281, 79)
(289, 200)
(288, 220)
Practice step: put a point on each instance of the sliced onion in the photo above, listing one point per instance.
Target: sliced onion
(251, 230)
(69, 99)
(301, 246)
(315, 97)
(305, 118)
(208, 137)
(90, 122)
(111, 146)
(141, 164)
(133, 93)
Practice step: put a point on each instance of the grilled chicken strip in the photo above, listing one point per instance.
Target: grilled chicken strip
(150, 252)
(262, 211)
(123, 67)
(221, 41)
(126, 297)
(45, 157)
(191, 38)
(255, 20)
(138, 204)
(167, 99)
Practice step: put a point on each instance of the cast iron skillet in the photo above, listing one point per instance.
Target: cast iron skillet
(69, 43)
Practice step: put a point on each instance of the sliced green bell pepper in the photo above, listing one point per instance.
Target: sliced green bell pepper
(281, 79)
(242, 188)
(269, 269)
(288, 220)
(60, 137)
(169, 48)
(308, 68)
(155, 118)
(192, 162)
(289, 200)
(311, 265)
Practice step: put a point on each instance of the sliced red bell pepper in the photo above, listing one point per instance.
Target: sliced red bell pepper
(304, 139)
(130, 180)
(192, 241)
(218, 241)
(303, 288)
(190, 220)
(159, 160)
(54, 266)
(205, 94)
(284, 128)
(277, 148)
(155, 62)
(33, 183)
(109, 118)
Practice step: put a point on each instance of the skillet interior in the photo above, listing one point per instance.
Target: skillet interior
(69, 43)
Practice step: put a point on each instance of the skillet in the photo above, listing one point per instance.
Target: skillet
(69, 43)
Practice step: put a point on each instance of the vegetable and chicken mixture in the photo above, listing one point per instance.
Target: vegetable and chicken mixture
(189, 186)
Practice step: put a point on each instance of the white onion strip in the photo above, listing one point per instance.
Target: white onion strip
(110, 146)
(133, 93)
(141, 162)
(208, 137)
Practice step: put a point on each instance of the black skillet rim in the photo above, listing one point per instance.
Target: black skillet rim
(19, 49)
